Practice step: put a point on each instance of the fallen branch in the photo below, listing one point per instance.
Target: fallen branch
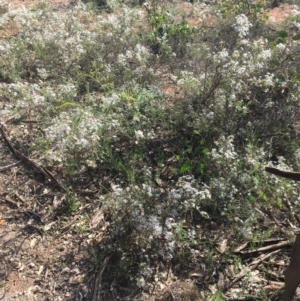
(97, 284)
(251, 267)
(9, 166)
(258, 261)
(170, 291)
(29, 161)
(268, 248)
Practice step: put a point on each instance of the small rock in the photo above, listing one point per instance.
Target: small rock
(31, 265)
(66, 270)
(35, 289)
(75, 271)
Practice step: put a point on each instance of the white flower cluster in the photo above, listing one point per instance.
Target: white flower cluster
(242, 25)
(155, 219)
(57, 42)
(225, 149)
(190, 192)
(73, 133)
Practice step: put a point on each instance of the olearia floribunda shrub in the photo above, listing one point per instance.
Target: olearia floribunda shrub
(147, 222)
(93, 85)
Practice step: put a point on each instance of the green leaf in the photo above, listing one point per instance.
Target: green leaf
(205, 151)
(201, 167)
(185, 167)
(297, 79)
(290, 57)
(251, 198)
(292, 70)
(272, 44)
(275, 63)
(296, 37)
(262, 195)
(281, 41)
(279, 203)
(282, 34)
(270, 38)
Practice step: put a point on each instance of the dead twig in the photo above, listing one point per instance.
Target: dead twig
(10, 200)
(97, 284)
(170, 291)
(29, 161)
(251, 267)
(269, 248)
(259, 260)
(20, 197)
(4, 168)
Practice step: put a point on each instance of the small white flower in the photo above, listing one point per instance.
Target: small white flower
(242, 25)
(139, 134)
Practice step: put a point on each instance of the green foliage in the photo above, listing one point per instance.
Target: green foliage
(251, 9)
(71, 203)
(166, 36)
(95, 257)
(195, 156)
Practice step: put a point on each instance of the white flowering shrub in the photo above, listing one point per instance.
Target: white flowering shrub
(49, 50)
(235, 90)
(146, 223)
(87, 92)
(236, 192)
(242, 25)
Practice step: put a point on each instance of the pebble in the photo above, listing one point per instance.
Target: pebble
(75, 271)
(31, 265)
(66, 270)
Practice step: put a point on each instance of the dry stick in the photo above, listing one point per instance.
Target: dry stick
(251, 267)
(28, 161)
(241, 299)
(170, 291)
(256, 262)
(269, 248)
(97, 285)
(10, 200)
(9, 166)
